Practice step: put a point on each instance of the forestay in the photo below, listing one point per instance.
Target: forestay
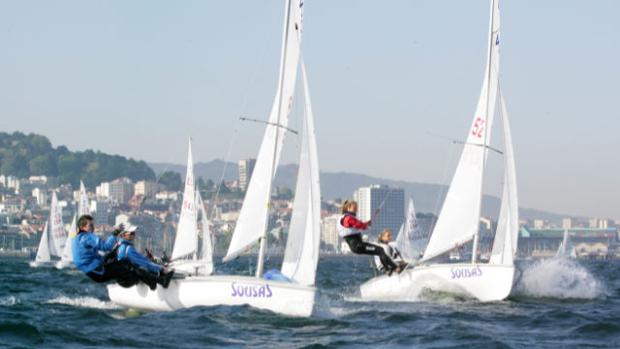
(186, 240)
(302, 247)
(252, 222)
(507, 233)
(458, 220)
(57, 235)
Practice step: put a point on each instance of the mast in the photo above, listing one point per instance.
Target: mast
(263, 239)
(474, 250)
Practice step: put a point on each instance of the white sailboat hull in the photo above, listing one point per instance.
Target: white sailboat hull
(485, 282)
(40, 264)
(277, 296)
(63, 264)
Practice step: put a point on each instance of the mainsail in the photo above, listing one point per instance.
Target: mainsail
(458, 220)
(506, 237)
(58, 236)
(302, 247)
(43, 252)
(252, 222)
(186, 241)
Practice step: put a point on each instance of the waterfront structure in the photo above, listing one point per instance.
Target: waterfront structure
(329, 232)
(383, 205)
(588, 242)
(246, 167)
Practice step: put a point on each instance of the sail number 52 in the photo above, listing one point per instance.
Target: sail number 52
(478, 127)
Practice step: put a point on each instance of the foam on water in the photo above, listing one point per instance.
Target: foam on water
(83, 302)
(8, 301)
(560, 278)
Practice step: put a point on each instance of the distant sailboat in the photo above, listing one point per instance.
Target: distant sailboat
(293, 292)
(566, 248)
(408, 241)
(53, 238)
(185, 251)
(458, 221)
(43, 252)
(66, 259)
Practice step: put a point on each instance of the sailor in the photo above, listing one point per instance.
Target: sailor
(144, 269)
(349, 229)
(87, 256)
(385, 241)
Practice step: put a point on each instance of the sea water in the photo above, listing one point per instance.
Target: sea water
(556, 304)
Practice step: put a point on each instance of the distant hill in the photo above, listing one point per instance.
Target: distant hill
(25, 155)
(427, 197)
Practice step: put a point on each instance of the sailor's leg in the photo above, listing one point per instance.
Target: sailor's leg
(146, 276)
(360, 247)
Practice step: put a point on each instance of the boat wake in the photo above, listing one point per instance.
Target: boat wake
(8, 301)
(83, 302)
(559, 278)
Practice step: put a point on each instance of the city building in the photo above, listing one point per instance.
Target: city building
(383, 205)
(588, 242)
(329, 233)
(246, 167)
(101, 211)
(567, 223)
(147, 189)
(119, 190)
(41, 196)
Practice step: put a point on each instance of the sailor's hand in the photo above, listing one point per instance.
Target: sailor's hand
(369, 222)
(119, 229)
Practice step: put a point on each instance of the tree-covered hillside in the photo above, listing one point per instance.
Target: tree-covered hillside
(24, 155)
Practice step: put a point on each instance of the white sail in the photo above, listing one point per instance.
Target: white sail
(43, 252)
(409, 248)
(67, 252)
(83, 207)
(566, 248)
(186, 240)
(302, 247)
(57, 236)
(506, 237)
(458, 220)
(207, 244)
(252, 222)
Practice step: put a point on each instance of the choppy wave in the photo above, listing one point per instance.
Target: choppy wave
(559, 278)
(8, 301)
(83, 302)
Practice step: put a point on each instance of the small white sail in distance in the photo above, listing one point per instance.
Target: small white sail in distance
(43, 252)
(67, 252)
(252, 222)
(458, 220)
(57, 235)
(404, 240)
(186, 240)
(83, 206)
(302, 247)
(566, 248)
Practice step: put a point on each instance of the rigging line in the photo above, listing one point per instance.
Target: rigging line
(269, 123)
(456, 141)
(226, 161)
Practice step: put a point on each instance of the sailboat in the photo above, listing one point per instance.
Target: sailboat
(566, 248)
(408, 242)
(66, 259)
(43, 256)
(185, 251)
(53, 238)
(458, 221)
(291, 293)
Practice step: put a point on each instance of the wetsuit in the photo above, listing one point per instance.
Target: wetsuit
(348, 230)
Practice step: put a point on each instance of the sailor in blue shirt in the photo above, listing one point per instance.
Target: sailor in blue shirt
(147, 271)
(86, 250)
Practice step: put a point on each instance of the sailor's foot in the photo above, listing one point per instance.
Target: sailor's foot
(402, 267)
(152, 284)
(164, 279)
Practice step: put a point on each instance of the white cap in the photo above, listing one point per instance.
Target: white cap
(130, 228)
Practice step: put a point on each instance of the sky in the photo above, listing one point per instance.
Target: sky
(390, 81)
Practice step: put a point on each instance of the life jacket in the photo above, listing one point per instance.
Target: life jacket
(345, 231)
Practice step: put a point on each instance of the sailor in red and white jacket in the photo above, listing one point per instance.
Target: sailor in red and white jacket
(349, 228)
